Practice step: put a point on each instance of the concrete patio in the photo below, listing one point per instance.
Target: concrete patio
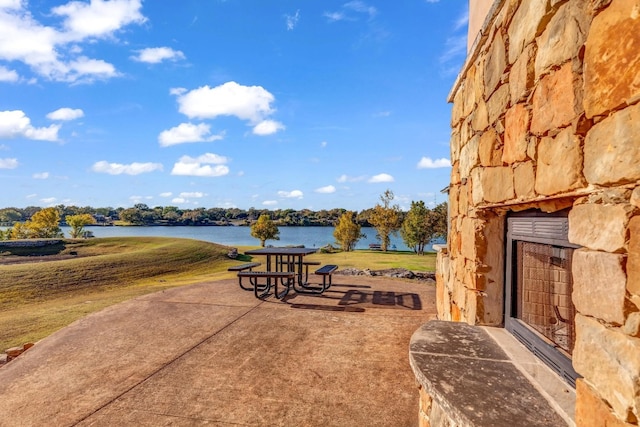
(212, 354)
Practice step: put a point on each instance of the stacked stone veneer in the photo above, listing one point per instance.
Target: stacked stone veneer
(546, 115)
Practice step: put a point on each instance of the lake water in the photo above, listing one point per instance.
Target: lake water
(311, 237)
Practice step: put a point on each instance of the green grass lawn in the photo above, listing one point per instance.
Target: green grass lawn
(38, 298)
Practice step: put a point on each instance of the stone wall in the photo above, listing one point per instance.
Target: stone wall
(546, 115)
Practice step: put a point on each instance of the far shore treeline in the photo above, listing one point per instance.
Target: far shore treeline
(141, 214)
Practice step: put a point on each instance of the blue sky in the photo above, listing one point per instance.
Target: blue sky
(226, 103)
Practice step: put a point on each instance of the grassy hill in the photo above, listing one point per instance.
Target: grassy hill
(79, 277)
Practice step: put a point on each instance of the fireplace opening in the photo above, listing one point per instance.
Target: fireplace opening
(544, 292)
(539, 310)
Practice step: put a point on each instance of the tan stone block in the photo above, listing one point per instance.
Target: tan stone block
(633, 260)
(635, 197)
(480, 117)
(516, 140)
(498, 103)
(521, 76)
(490, 148)
(463, 199)
(468, 101)
(612, 149)
(469, 157)
(494, 65)
(599, 285)
(456, 110)
(527, 23)
(599, 227)
(455, 173)
(592, 411)
(469, 237)
(609, 361)
(524, 180)
(612, 58)
(454, 190)
(556, 101)
(492, 264)
(559, 164)
(455, 143)
(632, 325)
(563, 37)
(492, 185)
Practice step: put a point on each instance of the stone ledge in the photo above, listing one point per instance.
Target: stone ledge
(477, 377)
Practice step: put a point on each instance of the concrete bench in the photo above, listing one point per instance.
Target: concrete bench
(278, 276)
(326, 271)
(480, 376)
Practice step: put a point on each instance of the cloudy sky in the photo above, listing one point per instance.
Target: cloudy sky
(226, 103)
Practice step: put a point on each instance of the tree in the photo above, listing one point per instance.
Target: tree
(347, 232)
(418, 227)
(385, 219)
(18, 231)
(264, 229)
(44, 224)
(441, 220)
(77, 223)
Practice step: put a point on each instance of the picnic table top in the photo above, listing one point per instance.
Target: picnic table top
(282, 251)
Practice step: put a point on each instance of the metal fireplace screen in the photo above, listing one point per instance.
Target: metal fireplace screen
(544, 287)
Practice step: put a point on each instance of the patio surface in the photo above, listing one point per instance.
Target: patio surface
(212, 354)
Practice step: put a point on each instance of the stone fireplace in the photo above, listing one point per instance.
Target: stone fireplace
(544, 197)
(539, 309)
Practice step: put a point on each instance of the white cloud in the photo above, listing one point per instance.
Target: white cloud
(15, 124)
(334, 16)
(270, 202)
(326, 190)
(382, 114)
(351, 11)
(361, 7)
(187, 132)
(383, 177)
(155, 55)
(99, 18)
(292, 20)
(250, 103)
(295, 194)
(201, 166)
(48, 200)
(427, 163)
(53, 51)
(456, 48)
(462, 21)
(63, 114)
(166, 194)
(347, 178)
(41, 175)
(178, 200)
(7, 75)
(8, 163)
(323, 144)
(192, 195)
(130, 169)
(267, 127)
(139, 199)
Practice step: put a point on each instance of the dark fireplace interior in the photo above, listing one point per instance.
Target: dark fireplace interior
(539, 310)
(544, 288)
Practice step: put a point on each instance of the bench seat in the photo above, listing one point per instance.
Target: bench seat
(326, 271)
(242, 267)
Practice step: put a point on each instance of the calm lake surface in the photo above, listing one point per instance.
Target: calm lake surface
(311, 237)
